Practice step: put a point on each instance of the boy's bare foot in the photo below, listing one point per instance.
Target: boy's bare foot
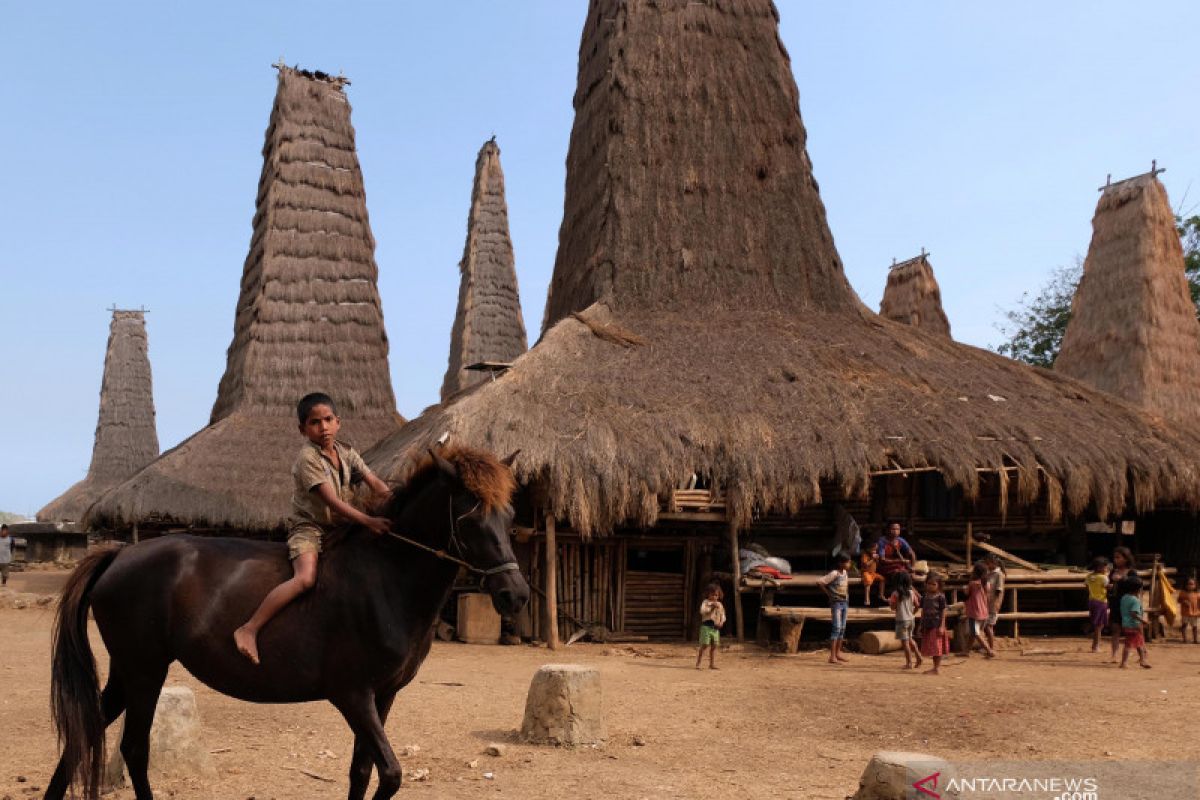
(1095, 649)
(843, 659)
(989, 654)
(247, 644)
(697, 666)
(713, 666)
(1144, 665)
(907, 666)
(931, 671)
(1123, 666)
(835, 662)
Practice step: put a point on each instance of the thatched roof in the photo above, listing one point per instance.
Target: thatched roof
(912, 296)
(718, 333)
(488, 326)
(308, 319)
(1133, 329)
(125, 436)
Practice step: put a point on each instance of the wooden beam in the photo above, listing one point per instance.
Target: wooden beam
(691, 516)
(551, 584)
(737, 583)
(937, 548)
(1020, 562)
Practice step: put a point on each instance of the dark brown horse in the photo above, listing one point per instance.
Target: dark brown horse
(355, 639)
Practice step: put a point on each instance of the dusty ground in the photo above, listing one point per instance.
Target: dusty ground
(761, 725)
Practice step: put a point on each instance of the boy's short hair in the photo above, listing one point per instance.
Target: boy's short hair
(843, 558)
(311, 401)
(1099, 563)
(1130, 584)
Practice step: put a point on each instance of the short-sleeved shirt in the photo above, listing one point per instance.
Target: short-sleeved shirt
(886, 548)
(712, 611)
(995, 583)
(976, 606)
(6, 549)
(311, 469)
(1097, 586)
(1131, 611)
(838, 583)
(905, 606)
(1189, 603)
(933, 607)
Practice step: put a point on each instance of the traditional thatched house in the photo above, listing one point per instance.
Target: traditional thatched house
(126, 439)
(1133, 329)
(912, 296)
(700, 331)
(488, 328)
(308, 319)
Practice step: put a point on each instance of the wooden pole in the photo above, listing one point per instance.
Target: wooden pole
(551, 584)
(135, 533)
(737, 582)
(970, 542)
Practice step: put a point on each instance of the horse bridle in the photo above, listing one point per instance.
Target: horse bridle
(460, 560)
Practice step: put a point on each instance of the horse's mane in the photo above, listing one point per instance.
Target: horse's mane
(483, 475)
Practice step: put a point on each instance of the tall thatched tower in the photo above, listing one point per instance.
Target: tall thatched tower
(126, 439)
(1133, 329)
(488, 325)
(912, 296)
(308, 319)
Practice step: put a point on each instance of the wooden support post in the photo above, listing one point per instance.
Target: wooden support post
(766, 598)
(790, 631)
(737, 582)
(970, 543)
(1016, 622)
(551, 584)
(135, 533)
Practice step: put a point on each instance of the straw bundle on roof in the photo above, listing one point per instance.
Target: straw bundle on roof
(125, 436)
(308, 319)
(718, 333)
(1133, 329)
(912, 296)
(488, 325)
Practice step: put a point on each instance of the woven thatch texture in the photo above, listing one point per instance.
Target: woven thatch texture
(688, 174)
(126, 439)
(488, 325)
(1133, 329)
(308, 319)
(756, 366)
(912, 296)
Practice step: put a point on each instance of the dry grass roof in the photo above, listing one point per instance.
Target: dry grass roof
(126, 439)
(699, 318)
(488, 325)
(1133, 329)
(912, 296)
(308, 319)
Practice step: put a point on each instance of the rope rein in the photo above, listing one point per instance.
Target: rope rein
(507, 566)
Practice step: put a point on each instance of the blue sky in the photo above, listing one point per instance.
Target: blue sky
(133, 135)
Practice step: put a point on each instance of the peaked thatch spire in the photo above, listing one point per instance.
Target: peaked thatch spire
(688, 179)
(912, 296)
(1133, 329)
(488, 325)
(308, 319)
(699, 320)
(126, 439)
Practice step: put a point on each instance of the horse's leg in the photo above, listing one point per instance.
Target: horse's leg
(141, 698)
(361, 764)
(362, 716)
(112, 704)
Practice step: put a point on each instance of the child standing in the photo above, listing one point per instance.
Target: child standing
(1189, 609)
(976, 609)
(995, 587)
(1132, 619)
(905, 600)
(836, 586)
(1097, 586)
(324, 477)
(712, 619)
(933, 623)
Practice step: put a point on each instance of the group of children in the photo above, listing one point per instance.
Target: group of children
(984, 594)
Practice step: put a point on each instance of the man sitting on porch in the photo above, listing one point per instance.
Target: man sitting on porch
(894, 554)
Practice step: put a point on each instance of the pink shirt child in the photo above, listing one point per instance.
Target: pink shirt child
(977, 601)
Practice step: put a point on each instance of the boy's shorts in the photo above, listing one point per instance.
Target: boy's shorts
(304, 537)
(904, 630)
(1133, 638)
(709, 635)
(975, 626)
(1191, 622)
(1098, 614)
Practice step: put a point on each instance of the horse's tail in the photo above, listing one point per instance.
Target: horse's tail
(74, 685)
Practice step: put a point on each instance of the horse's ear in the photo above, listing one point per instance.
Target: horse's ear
(508, 460)
(443, 464)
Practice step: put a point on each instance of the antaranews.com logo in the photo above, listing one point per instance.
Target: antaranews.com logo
(1052, 780)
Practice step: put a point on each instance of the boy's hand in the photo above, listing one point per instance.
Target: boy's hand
(377, 525)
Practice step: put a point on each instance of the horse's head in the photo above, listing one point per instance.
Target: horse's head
(467, 495)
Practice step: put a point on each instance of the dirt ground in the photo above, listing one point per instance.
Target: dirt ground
(762, 725)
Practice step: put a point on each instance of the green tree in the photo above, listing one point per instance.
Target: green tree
(1034, 330)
